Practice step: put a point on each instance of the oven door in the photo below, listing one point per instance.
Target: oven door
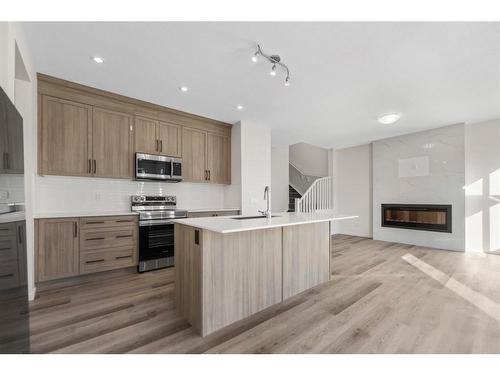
(156, 241)
(154, 167)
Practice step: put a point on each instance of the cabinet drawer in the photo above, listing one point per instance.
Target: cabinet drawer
(108, 221)
(9, 275)
(107, 238)
(107, 260)
(8, 229)
(8, 248)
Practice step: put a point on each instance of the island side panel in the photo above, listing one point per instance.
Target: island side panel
(242, 275)
(188, 273)
(306, 257)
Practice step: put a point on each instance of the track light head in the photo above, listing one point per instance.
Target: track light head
(273, 70)
(255, 57)
(287, 81)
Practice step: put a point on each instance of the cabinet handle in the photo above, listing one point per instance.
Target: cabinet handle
(123, 221)
(94, 239)
(196, 237)
(89, 166)
(124, 257)
(124, 236)
(75, 230)
(161, 145)
(20, 234)
(8, 160)
(4, 248)
(94, 261)
(95, 166)
(94, 222)
(156, 146)
(6, 275)
(209, 175)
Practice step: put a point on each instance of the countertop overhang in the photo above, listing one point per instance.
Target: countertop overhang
(226, 224)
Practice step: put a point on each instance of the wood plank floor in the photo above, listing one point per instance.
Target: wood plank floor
(376, 302)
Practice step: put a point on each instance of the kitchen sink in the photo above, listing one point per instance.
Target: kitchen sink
(250, 217)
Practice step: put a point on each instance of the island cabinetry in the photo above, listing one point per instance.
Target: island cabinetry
(306, 257)
(224, 278)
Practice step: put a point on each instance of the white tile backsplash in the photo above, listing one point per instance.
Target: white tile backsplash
(84, 194)
(12, 188)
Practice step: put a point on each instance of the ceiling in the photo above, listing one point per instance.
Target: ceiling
(343, 74)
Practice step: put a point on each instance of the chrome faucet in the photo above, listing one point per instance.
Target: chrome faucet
(267, 197)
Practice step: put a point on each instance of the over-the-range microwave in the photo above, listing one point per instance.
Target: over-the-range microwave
(157, 167)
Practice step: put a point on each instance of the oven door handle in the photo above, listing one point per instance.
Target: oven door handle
(148, 223)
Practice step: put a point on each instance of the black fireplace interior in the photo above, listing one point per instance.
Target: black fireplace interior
(430, 217)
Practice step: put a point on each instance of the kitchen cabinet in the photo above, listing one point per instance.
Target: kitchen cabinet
(194, 165)
(157, 137)
(112, 146)
(65, 135)
(218, 157)
(9, 264)
(93, 133)
(81, 140)
(58, 252)
(11, 141)
(75, 246)
(206, 157)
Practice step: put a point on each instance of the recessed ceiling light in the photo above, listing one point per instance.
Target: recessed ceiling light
(239, 107)
(98, 59)
(273, 71)
(184, 88)
(389, 118)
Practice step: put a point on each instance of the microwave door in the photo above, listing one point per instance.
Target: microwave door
(151, 166)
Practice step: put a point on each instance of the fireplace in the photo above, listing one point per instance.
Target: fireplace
(430, 217)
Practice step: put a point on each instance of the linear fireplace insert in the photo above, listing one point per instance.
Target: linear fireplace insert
(431, 217)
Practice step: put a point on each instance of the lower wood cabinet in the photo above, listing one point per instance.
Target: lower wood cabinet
(75, 246)
(58, 253)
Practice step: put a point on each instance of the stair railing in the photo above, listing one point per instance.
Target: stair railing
(298, 180)
(319, 196)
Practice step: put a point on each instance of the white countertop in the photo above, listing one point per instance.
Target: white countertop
(12, 217)
(49, 215)
(225, 224)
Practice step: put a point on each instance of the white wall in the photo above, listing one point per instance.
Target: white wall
(279, 179)
(482, 186)
(23, 94)
(310, 160)
(255, 165)
(425, 167)
(352, 184)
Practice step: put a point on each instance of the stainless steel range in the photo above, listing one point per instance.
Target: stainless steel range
(157, 215)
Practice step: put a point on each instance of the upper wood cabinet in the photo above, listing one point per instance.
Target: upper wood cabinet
(65, 134)
(194, 155)
(146, 139)
(157, 137)
(169, 137)
(206, 157)
(218, 159)
(58, 252)
(89, 132)
(81, 140)
(112, 146)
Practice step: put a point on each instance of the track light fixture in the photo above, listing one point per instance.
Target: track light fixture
(275, 60)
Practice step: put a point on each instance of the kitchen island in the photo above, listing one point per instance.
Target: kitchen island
(228, 268)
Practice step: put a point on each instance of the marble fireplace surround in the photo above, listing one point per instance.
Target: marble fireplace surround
(427, 167)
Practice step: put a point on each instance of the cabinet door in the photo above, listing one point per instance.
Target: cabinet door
(65, 137)
(218, 156)
(112, 144)
(169, 136)
(58, 253)
(194, 144)
(14, 147)
(146, 139)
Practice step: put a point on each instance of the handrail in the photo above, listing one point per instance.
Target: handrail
(302, 173)
(317, 197)
(298, 180)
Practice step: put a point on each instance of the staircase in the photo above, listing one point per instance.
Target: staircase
(292, 195)
(318, 197)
